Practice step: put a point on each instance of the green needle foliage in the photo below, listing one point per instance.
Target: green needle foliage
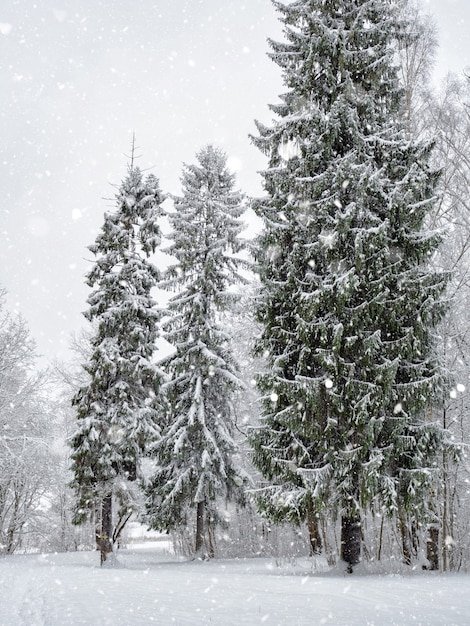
(196, 455)
(349, 304)
(117, 410)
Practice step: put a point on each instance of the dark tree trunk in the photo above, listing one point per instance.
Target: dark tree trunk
(104, 529)
(314, 533)
(200, 528)
(15, 526)
(351, 541)
(432, 548)
(210, 540)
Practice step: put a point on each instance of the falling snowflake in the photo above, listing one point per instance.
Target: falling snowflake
(5, 29)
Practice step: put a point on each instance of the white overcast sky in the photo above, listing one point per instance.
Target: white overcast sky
(78, 77)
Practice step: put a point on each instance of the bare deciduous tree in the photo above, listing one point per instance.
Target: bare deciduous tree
(25, 467)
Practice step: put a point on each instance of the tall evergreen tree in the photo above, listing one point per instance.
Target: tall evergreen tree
(196, 455)
(117, 410)
(348, 301)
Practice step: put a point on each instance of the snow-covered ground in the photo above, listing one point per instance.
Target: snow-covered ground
(149, 586)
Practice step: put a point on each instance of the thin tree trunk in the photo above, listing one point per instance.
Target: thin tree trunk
(14, 526)
(104, 528)
(120, 525)
(381, 536)
(445, 529)
(199, 528)
(313, 532)
(351, 541)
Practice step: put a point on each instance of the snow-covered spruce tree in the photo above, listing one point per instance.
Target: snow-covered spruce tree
(348, 303)
(196, 455)
(117, 409)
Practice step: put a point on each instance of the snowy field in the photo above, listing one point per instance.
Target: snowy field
(149, 586)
